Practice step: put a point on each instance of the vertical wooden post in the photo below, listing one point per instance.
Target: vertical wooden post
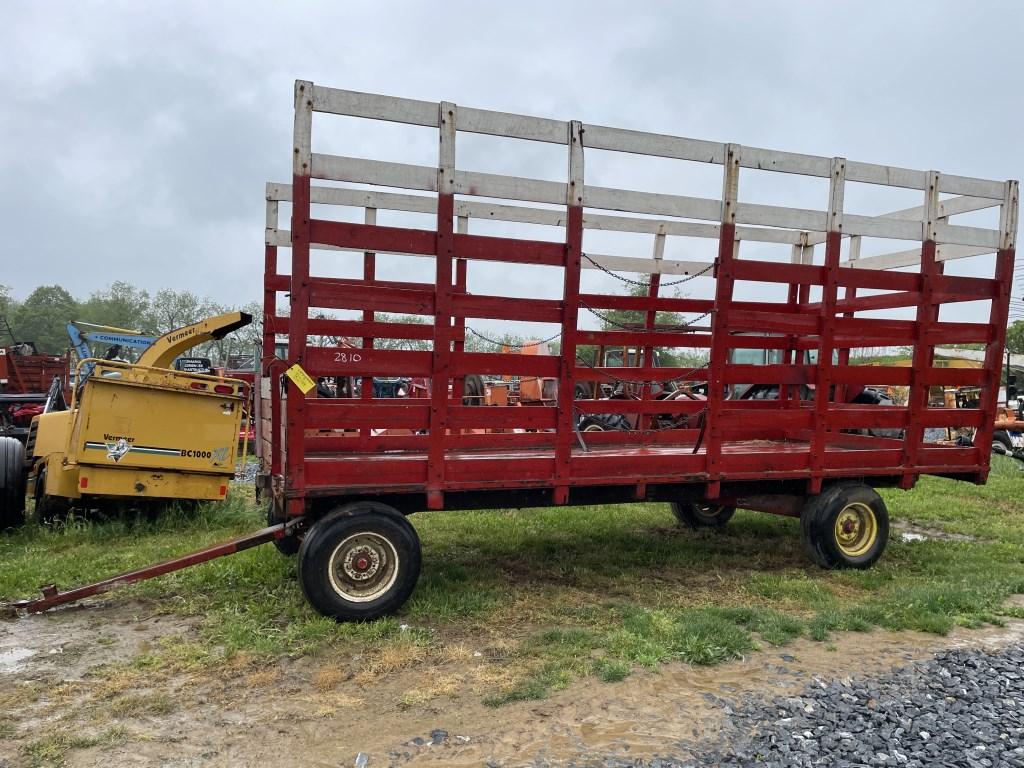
(924, 352)
(570, 314)
(440, 371)
(720, 342)
(998, 317)
(801, 254)
(827, 325)
(650, 322)
(299, 309)
(369, 275)
(267, 383)
(460, 322)
(849, 292)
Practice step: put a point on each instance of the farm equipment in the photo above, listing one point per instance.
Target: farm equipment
(134, 434)
(343, 504)
(26, 378)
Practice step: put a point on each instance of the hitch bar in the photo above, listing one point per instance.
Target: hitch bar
(53, 597)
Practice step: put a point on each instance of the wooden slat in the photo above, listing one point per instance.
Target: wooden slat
(498, 363)
(328, 413)
(385, 174)
(654, 144)
(508, 187)
(509, 250)
(656, 338)
(344, 361)
(503, 308)
(745, 321)
(775, 272)
(366, 237)
(679, 406)
(512, 126)
(501, 417)
(768, 374)
(651, 203)
(641, 303)
(379, 299)
(373, 106)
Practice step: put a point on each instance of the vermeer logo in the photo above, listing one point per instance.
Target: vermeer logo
(118, 449)
(220, 454)
(117, 438)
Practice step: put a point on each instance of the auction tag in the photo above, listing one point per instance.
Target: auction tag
(300, 378)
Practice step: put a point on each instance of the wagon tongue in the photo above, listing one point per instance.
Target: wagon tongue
(53, 597)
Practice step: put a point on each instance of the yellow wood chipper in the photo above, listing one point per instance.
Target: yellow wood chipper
(137, 433)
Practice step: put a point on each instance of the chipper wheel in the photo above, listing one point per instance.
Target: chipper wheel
(13, 476)
(845, 526)
(694, 515)
(360, 562)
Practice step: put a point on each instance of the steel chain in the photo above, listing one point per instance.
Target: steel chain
(643, 284)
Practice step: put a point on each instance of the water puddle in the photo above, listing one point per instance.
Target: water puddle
(908, 532)
(11, 659)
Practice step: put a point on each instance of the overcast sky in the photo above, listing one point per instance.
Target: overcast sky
(136, 138)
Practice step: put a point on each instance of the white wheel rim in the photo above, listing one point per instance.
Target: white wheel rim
(363, 567)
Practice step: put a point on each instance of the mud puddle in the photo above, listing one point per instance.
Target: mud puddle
(284, 715)
(905, 531)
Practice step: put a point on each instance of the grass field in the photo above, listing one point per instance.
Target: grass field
(551, 595)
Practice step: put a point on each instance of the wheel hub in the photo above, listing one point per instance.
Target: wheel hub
(856, 529)
(363, 566)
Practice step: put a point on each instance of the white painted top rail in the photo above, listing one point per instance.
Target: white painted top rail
(647, 212)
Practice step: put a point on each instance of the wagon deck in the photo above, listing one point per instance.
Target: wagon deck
(835, 302)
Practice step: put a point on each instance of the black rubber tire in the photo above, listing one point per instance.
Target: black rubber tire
(49, 509)
(698, 515)
(1001, 444)
(13, 477)
(818, 526)
(473, 390)
(322, 544)
(289, 545)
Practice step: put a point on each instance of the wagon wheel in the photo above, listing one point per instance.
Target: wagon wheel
(12, 483)
(845, 526)
(49, 508)
(360, 562)
(702, 515)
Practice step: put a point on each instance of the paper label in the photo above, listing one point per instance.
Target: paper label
(300, 378)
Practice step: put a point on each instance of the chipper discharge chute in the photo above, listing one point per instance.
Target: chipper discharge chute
(138, 434)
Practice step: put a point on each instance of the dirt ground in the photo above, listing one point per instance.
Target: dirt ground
(75, 687)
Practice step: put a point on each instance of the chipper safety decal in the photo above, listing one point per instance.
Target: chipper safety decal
(118, 449)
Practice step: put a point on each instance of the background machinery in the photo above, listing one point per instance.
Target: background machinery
(138, 434)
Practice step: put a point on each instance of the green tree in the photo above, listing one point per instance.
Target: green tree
(1015, 338)
(43, 317)
(121, 305)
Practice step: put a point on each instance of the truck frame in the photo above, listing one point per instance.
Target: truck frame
(331, 461)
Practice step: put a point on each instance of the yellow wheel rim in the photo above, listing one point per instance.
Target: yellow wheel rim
(856, 529)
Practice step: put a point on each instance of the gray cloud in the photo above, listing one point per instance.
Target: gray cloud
(135, 138)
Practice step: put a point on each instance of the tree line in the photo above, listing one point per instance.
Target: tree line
(43, 315)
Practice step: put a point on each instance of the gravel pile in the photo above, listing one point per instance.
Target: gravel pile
(962, 708)
(246, 473)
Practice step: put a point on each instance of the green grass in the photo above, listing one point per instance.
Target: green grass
(553, 595)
